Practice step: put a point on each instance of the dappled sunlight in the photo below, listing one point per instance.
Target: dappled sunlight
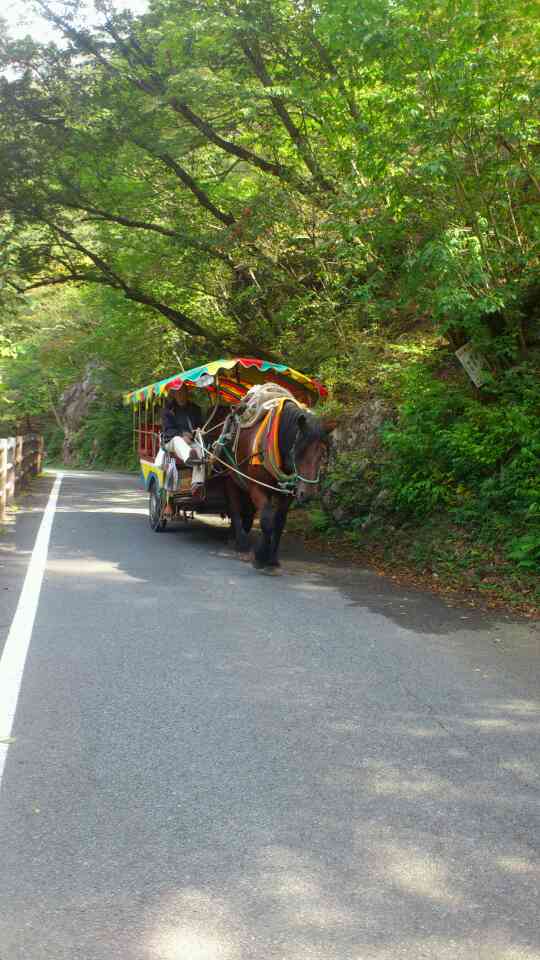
(424, 732)
(306, 587)
(195, 926)
(293, 794)
(139, 510)
(298, 904)
(524, 707)
(492, 944)
(518, 866)
(523, 769)
(351, 725)
(385, 780)
(91, 567)
(74, 474)
(513, 716)
(508, 724)
(127, 503)
(514, 953)
(415, 872)
(396, 900)
(297, 886)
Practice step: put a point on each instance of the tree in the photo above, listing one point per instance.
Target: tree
(280, 177)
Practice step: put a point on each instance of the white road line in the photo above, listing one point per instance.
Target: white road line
(20, 633)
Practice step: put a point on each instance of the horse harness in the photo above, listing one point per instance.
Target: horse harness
(265, 451)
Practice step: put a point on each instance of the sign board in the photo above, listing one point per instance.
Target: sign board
(474, 363)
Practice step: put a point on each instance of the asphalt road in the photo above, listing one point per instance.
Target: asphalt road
(211, 764)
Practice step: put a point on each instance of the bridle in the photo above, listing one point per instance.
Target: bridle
(290, 483)
(286, 483)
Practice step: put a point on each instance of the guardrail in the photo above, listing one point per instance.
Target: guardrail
(20, 459)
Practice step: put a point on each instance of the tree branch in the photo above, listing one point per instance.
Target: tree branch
(276, 169)
(254, 56)
(188, 182)
(107, 217)
(177, 317)
(329, 65)
(64, 278)
(155, 86)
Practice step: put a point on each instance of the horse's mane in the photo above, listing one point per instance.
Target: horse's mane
(312, 429)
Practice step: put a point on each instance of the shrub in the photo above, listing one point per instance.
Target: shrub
(475, 457)
(471, 458)
(526, 550)
(53, 439)
(455, 450)
(105, 438)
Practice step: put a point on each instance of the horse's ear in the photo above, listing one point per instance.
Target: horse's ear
(329, 426)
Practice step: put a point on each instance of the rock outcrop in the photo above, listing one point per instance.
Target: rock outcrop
(354, 488)
(361, 432)
(73, 407)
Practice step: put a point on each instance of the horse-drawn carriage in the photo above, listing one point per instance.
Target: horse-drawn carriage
(259, 445)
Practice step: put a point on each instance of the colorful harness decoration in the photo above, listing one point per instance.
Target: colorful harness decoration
(265, 451)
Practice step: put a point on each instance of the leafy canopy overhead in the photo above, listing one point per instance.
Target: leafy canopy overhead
(277, 177)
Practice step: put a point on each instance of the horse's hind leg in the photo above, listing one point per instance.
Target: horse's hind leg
(264, 547)
(280, 517)
(248, 513)
(241, 539)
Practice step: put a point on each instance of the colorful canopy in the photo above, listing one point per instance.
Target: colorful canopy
(232, 379)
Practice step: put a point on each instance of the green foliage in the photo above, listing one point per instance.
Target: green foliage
(345, 186)
(455, 463)
(280, 176)
(526, 551)
(106, 438)
(350, 487)
(477, 459)
(453, 450)
(319, 520)
(53, 437)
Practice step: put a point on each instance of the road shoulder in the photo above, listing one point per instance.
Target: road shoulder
(17, 538)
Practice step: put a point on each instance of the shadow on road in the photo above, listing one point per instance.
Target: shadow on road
(287, 800)
(408, 607)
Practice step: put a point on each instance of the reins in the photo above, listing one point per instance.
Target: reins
(260, 483)
(286, 482)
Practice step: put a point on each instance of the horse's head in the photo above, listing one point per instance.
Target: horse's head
(304, 448)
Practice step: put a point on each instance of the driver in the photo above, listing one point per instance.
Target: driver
(179, 421)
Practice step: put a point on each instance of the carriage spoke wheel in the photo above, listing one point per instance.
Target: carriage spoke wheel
(155, 509)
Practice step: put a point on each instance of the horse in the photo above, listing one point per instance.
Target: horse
(253, 483)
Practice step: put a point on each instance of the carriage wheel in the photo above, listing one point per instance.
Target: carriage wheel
(155, 509)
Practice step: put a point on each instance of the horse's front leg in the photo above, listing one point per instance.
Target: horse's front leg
(280, 517)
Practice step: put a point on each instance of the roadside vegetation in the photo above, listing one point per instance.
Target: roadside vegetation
(352, 187)
(451, 491)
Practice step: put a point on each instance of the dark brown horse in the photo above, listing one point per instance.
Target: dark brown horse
(303, 444)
